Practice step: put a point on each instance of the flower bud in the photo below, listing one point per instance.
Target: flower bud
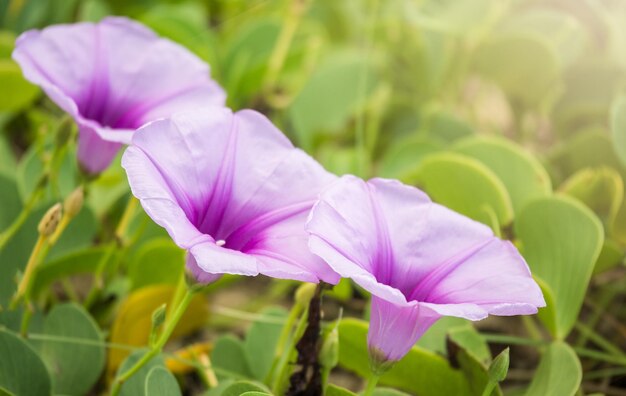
(50, 221)
(499, 367)
(74, 202)
(329, 353)
(305, 293)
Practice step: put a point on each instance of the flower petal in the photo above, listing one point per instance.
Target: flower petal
(395, 329)
(198, 273)
(112, 77)
(216, 176)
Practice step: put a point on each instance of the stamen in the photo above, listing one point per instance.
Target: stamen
(220, 242)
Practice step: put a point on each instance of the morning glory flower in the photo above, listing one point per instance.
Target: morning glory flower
(231, 190)
(111, 78)
(420, 261)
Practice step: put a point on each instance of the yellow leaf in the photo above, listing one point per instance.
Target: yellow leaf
(177, 365)
(133, 321)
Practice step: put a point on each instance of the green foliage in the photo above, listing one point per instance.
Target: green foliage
(242, 387)
(21, 371)
(334, 92)
(160, 382)
(435, 376)
(74, 366)
(140, 383)
(522, 174)
(261, 341)
(157, 261)
(333, 390)
(561, 240)
(618, 127)
(485, 104)
(11, 80)
(559, 372)
(467, 186)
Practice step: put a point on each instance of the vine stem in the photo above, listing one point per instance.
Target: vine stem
(158, 347)
(21, 218)
(283, 340)
(129, 211)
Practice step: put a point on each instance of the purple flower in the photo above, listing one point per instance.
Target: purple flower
(232, 190)
(113, 77)
(420, 261)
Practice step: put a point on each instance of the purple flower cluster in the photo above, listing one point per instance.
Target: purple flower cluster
(233, 192)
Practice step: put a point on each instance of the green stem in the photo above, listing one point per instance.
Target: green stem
(21, 218)
(156, 349)
(283, 340)
(360, 138)
(120, 231)
(531, 328)
(279, 54)
(371, 385)
(284, 368)
(599, 340)
(24, 285)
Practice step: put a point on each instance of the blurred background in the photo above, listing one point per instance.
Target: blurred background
(486, 104)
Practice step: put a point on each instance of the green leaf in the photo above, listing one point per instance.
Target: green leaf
(419, 372)
(11, 80)
(445, 125)
(525, 66)
(339, 160)
(474, 371)
(7, 43)
(435, 338)
(136, 385)
(522, 174)
(601, 189)
(160, 382)
(158, 261)
(561, 241)
(406, 154)
(255, 393)
(591, 148)
(31, 167)
(453, 17)
(110, 186)
(334, 92)
(559, 372)
(499, 368)
(74, 366)
(246, 58)
(618, 228)
(229, 355)
(81, 262)
(610, 257)
(184, 23)
(618, 127)
(260, 343)
(471, 341)
(240, 387)
(21, 371)
(334, 390)
(388, 392)
(10, 201)
(590, 87)
(465, 185)
(563, 32)
(8, 163)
